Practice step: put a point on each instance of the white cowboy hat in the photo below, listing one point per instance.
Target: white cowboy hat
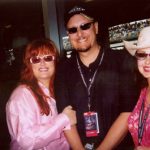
(142, 42)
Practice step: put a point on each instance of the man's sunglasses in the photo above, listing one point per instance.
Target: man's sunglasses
(141, 55)
(85, 26)
(38, 59)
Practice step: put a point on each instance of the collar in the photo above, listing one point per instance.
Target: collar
(93, 64)
(44, 88)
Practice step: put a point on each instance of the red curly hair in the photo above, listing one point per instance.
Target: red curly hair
(40, 46)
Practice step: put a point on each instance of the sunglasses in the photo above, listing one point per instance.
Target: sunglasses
(141, 55)
(85, 26)
(38, 59)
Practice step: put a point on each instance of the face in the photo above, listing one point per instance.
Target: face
(43, 67)
(143, 62)
(85, 36)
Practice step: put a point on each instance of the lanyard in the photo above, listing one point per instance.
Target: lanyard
(92, 80)
(142, 120)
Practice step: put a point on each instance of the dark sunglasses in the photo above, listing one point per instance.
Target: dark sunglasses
(141, 55)
(85, 26)
(38, 59)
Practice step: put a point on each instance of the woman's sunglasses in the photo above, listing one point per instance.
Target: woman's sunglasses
(141, 55)
(85, 26)
(38, 59)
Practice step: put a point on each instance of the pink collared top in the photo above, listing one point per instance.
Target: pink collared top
(134, 119)
(29, 129)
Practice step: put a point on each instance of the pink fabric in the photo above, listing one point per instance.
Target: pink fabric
(29, 129)
(133, 122)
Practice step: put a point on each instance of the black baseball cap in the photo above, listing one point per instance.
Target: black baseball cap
(78, 10)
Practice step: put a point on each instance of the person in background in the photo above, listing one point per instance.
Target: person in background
(31, 112)
(89, 81)
(138, 121)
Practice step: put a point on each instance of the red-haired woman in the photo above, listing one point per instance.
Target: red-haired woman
(32, 117)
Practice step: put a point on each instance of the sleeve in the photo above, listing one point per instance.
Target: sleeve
(60, 86)
(129, 91)
(25, 126)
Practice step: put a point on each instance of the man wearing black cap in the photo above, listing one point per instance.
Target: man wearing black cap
(89, 82)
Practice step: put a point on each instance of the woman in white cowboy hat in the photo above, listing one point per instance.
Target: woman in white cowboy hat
(138, 121)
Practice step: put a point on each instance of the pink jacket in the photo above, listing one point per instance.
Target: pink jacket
(29, 129)
(134, 119)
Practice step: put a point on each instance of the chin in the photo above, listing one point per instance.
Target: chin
(83, 49)
(146, 75)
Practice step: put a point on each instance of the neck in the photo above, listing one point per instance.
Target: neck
(90, 56)
(45, 83)
(148, 80)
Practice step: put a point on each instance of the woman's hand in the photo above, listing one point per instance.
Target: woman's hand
(142, 148)
(71, 114)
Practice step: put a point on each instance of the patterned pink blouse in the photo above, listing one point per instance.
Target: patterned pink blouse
(28, 128)
(133, 122)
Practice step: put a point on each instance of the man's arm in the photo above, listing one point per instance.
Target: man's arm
(116, 133)
(73, 138)
(62, 100)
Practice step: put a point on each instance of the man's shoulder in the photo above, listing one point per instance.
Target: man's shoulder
(67, 63)
(68, 59)
(117, 55)
(110, 55)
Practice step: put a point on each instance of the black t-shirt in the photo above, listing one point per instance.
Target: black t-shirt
(110, 93)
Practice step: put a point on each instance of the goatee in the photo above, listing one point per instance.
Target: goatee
(83, 49)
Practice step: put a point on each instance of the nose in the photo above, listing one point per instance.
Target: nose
(147, 61)
(79, 32)
(42, 61)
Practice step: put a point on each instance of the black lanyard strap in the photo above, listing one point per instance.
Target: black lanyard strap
(142, 121)
(92, 80)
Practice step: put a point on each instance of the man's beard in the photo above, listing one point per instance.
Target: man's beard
(83, 49)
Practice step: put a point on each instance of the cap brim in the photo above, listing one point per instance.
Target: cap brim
(131, 47)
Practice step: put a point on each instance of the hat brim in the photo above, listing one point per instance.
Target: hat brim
(84, 14)
(131, 47)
